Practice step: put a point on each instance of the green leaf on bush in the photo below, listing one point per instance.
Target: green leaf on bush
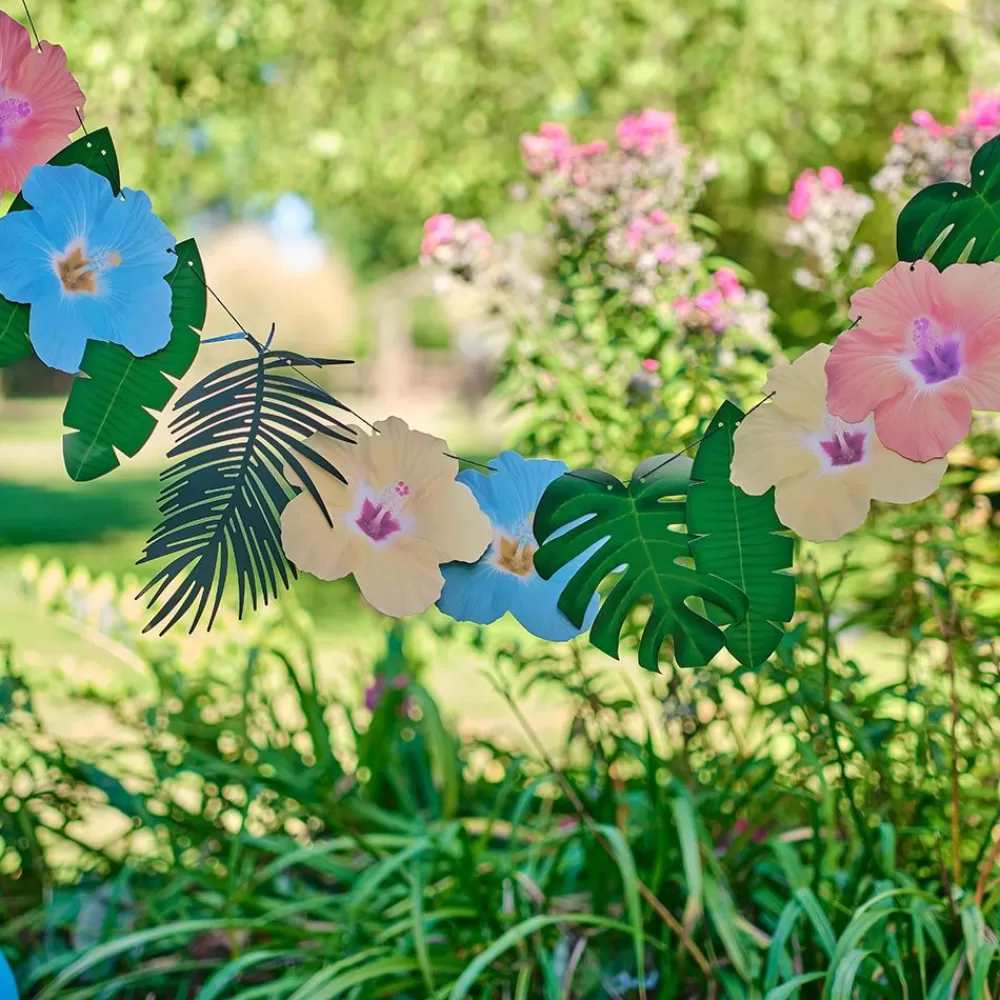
(14, 343)
(632, 525)
(963, 214)
(110, 404)
(95, 151)
(737, 542)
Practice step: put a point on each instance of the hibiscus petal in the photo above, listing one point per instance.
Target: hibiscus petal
(477, 593)
(800, 388)
(398, 453)
(399, 579)
(921, 425)
(865, 367)
(311, 544)
(536, 607)
(350, 459)
(447, 517)
(903, 293)
(822, 508)
(510, 494)
(894, 479)
(58, 332)
(768, 448)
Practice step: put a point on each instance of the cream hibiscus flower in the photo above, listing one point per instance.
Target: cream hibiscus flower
(825, 471)
(400, 516)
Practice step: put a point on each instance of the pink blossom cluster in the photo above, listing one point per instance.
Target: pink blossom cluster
(825, 216)
(925, 151)
(723, 305)
(552, 148)
(461, 246)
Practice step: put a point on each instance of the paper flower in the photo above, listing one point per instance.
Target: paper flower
(925, 354)
(399, 517)
(90, 265)
(825, 470)
(38, 103)
(8, 987)
(505, 579)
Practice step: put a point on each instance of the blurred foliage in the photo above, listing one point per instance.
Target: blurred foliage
(348, 103)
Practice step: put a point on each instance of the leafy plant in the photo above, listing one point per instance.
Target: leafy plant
(738, 542)
(110, 404)
(236, 430)
(955, 221)
(633, 529)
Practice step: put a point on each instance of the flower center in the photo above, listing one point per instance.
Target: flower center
(14, 109)
(515, 555)
(938, 359)
(845, 447)
(79, 273)
(379, 518)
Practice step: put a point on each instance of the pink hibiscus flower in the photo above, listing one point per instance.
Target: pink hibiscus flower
(38, 103)
(924, 355)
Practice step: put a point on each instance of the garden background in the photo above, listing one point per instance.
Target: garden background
(270, 812)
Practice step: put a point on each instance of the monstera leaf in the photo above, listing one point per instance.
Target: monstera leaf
(112, 403)
(970, 215)
(737, 542)
(221, 503)
(96, 152)
(634, 525)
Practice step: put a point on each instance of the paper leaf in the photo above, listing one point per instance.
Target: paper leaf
(109, 405)
(95, 151)
(969, 213)
(221, 505)
(737, 542)
(634, 524)
(14, 343)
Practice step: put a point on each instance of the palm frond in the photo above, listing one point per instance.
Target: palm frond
(221, 503)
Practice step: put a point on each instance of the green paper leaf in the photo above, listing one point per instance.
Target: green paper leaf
(111, 405)
(969, 213)
(737, 542)
(14, 343)
(633, 524)
(95, 151)
(221, 502)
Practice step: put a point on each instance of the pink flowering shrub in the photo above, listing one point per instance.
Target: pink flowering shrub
(825, 216)
(631, 323)
(926, 152)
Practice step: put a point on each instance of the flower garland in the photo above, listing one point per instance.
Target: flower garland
(270, 483)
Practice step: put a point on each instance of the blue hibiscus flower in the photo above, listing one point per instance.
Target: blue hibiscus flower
(8, 988)
(505, 579)
(90, 265)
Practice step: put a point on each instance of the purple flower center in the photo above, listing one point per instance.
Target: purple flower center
(845, 447)
(14, 109)
(378, 518)
(937, 360)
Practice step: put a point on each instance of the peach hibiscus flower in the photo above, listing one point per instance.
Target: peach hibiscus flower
(39, 100)
(398, 518)
(824, 470)
(924, 355)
